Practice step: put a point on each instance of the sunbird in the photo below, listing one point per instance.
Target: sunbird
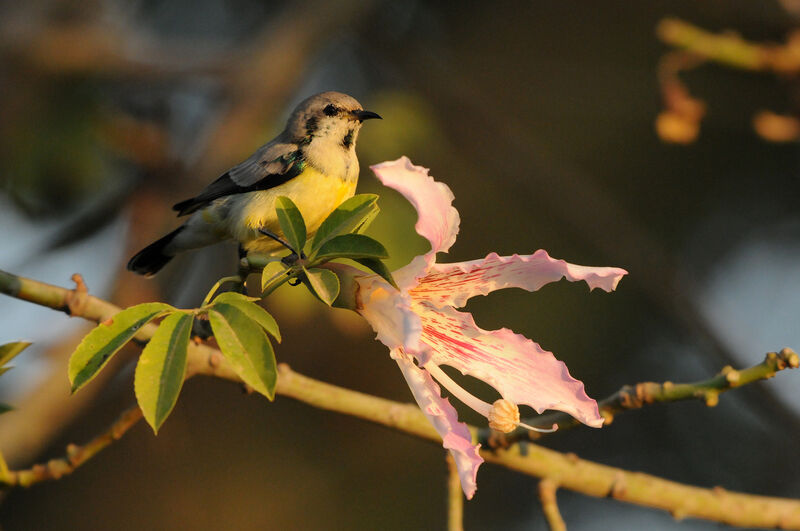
(312, 162)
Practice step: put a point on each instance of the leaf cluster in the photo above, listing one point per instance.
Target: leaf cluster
(241, 327)
(340, 236)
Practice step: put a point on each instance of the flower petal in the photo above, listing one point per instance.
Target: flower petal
(389, 313)
(456, 437)
(438, 219)
(517, 367)
(454, 284)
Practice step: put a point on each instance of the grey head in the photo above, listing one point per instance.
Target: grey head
(331, 116)
(326, 128)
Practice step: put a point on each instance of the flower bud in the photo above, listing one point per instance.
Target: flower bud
(504, 416)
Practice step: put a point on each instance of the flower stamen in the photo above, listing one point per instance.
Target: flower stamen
(540, 430)
(503, 415)
(457, 391)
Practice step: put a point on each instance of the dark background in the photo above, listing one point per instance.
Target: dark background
(538, 115)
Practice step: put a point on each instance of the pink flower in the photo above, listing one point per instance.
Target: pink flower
(423, 330)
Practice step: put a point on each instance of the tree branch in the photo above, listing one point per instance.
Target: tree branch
(75, 455)
(455, 497)
(547, 495)
(567, 470)
(646, 393)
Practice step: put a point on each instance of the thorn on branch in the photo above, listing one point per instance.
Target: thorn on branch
(76, 298)
(711, 398)
(678, 513)
(785, 358)
(731, 375)
(618, 487)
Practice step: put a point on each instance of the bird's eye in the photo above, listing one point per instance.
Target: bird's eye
(330, 109)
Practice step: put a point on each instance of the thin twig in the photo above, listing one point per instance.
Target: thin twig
(646, 393)
(547, 495)
(75, 455)
(455, 497)
(569, 471)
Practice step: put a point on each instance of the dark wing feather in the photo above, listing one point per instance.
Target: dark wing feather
(270, 166)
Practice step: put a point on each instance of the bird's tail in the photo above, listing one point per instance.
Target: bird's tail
(152, 258)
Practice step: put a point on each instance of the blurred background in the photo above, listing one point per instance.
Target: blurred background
(577, 127)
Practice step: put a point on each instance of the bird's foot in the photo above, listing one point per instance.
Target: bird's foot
(269, 234)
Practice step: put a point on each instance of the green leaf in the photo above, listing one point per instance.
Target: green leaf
(107, 338)
(272, 276)
(226, 296)
(5, 408)
(324, 284)
(351, 246)
(252, 310)
(9, 350)
(367, 221)
(346, 218)
(378, 267)
(162, 368)
(292, 223)
(246, 347)
(230, 296)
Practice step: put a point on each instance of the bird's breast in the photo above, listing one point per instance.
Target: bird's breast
(315, 193)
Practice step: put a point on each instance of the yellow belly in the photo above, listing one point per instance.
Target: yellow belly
(315, 194)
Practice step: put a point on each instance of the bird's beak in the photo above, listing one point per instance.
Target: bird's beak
(365, 115)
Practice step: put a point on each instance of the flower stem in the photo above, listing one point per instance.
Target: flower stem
(217, 285)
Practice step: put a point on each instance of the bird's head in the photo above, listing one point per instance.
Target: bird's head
(329, 118)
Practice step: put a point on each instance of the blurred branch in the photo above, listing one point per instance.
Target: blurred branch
(775, 127)
(567, 470)
(680, 121)
(258, 79)
(547, 495)
(75, 455)
(97, 41)
(730, 49)
(266, 73)
(455, 497)
(646, 393)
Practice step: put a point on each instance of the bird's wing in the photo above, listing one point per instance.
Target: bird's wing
(271, 165)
